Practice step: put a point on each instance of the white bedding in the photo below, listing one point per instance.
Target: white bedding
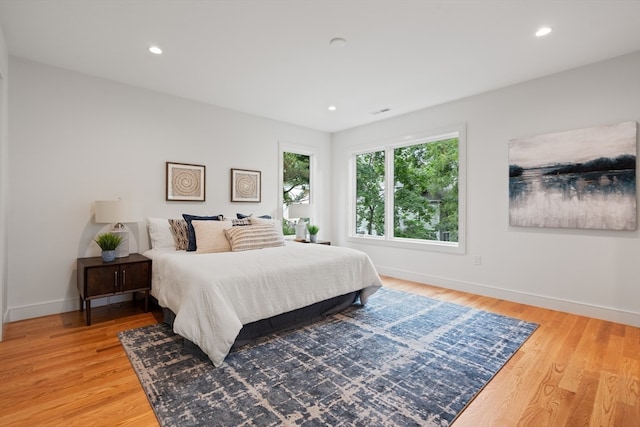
(213, 295)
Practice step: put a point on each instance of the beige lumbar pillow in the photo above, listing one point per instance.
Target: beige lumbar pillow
(210, 236)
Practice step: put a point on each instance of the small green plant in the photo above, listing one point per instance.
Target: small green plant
(287, 228)
(313, 229)
(108, 241)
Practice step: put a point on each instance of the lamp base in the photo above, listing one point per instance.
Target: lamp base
(301, 230)
(123, 248)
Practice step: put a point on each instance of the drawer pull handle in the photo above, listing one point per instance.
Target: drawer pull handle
(124, 279)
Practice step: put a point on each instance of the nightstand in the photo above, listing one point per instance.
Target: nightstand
(98, 279)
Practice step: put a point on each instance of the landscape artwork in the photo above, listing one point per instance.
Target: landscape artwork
(583, 178)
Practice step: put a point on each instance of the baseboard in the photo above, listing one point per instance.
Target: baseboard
(568, 306)
(59, 306)
(5, 320)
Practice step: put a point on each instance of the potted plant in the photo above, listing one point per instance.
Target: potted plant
(108, 242)
(313, 232)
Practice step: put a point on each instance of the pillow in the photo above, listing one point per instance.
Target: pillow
(191, 235)
(253, 237)
(179, 231)
(159, 233)
(241, 216)
(210, 236)
(275, 223)
(240, 222)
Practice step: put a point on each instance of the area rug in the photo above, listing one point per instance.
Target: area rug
(400, 360)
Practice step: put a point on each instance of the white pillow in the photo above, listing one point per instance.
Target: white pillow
(160, 235)
(210, 236)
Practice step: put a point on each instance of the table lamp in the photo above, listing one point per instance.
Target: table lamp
(116, 212)
(300, 211)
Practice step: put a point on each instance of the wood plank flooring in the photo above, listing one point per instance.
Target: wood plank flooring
(574, 371)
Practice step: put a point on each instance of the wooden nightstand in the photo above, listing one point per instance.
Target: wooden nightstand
(98, 279)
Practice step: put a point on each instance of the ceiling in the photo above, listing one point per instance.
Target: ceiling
(272, 58)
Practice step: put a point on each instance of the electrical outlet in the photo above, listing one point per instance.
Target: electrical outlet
(477, 260)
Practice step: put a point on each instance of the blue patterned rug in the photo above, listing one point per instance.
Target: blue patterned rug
(400, 360)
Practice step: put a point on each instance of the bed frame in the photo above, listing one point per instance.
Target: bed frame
(279, 323)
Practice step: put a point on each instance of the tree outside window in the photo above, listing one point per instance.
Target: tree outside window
(426, 191)
(425, 201)
(370, 192)
(296, 184)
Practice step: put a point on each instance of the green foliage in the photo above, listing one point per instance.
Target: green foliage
(295, 182)
(108, 241)
(313, 229)
(288, 228)
(370, 193)
(425, 191)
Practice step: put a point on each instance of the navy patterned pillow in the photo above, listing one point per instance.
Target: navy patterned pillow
(242, 216)
(240, 222)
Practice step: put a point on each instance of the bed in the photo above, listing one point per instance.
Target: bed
(213, 296)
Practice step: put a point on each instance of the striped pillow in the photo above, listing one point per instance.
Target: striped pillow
(179, 231)
(253, 237)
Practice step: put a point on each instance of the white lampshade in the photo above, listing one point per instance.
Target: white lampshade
(300, 210)
(116, 212)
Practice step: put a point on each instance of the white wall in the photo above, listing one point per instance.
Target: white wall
(76, 139)
(590, 272)
(4, 180)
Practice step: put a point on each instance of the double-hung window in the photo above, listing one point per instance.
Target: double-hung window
(410, 192)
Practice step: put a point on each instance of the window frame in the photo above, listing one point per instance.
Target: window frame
(388, 146)
(295, 149)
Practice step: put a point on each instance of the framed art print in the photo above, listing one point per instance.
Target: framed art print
(185, 182)
(583, 178)
(245, 185)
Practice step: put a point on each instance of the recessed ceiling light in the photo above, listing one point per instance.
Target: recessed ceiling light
(338, 42)
(543, 31)
(155, 50)
(332, 108)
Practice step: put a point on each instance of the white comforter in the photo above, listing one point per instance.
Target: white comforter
(213, 295)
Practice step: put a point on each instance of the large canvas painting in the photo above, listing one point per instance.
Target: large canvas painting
(582, 178)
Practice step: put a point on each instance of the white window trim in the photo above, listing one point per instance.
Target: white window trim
(458, 131)
(289, 147)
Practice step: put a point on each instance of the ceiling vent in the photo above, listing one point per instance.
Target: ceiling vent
(383, 110)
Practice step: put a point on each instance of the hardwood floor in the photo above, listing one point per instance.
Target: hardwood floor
(573, 371)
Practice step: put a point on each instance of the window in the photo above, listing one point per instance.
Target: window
(411, 192)
(370, 193)
(296, 185)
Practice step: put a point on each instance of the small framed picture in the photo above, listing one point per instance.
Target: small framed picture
(245, 185)
(185, 182)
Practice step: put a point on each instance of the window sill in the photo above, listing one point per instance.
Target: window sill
(420, 245)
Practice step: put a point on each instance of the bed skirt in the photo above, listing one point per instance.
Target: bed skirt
(290, 320)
